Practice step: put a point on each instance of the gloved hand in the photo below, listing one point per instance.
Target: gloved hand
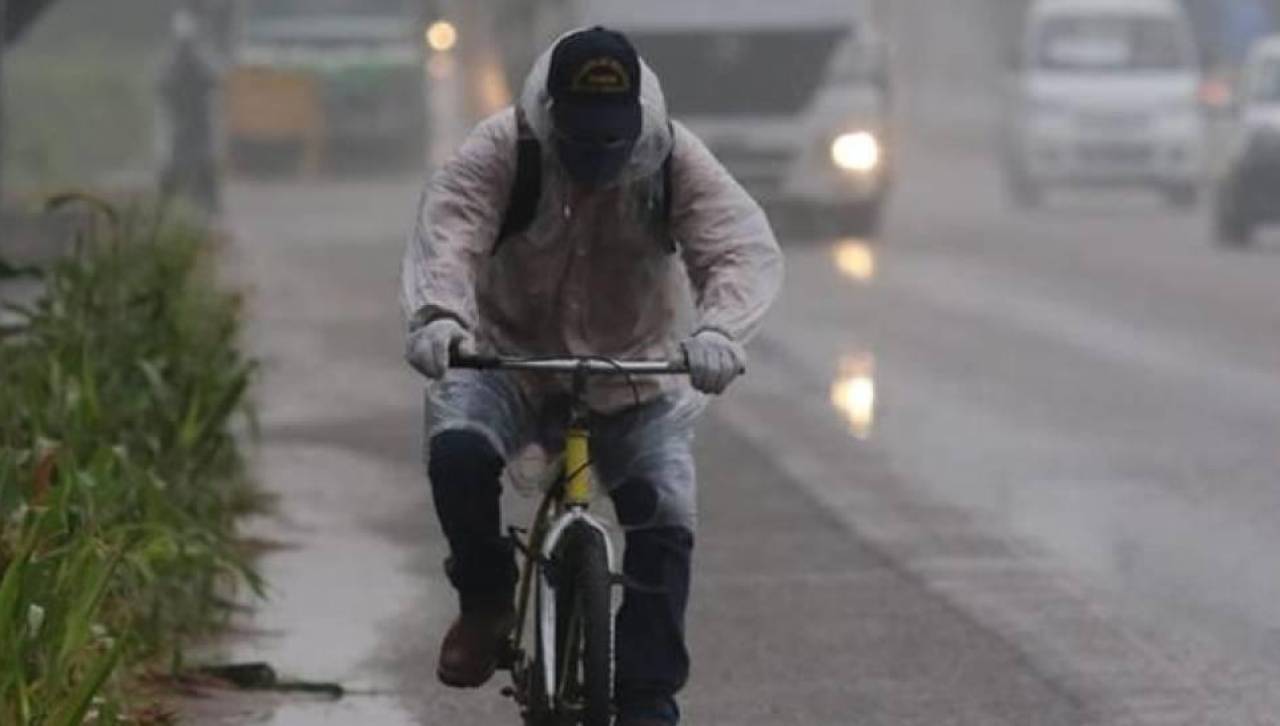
(429, 347)
(714, 360)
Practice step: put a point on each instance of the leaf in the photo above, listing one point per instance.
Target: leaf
(42, 478)
(190, 430)
(227, 403)
(80, 615)
(63, 200)
(160, 391)
(89, 391)
(11, 619)
(11, 597)
(10, 491)
(74, 709)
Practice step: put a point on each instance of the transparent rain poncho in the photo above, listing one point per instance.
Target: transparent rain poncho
(598, 274)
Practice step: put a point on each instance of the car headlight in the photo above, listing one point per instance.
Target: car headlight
(857, 151)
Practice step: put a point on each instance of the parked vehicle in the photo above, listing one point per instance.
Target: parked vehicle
(311, 78)
(1247, 194)
(1106, 93)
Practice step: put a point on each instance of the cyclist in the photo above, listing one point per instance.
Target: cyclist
(624, 213)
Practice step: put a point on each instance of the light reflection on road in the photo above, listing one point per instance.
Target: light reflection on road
(494, 93)
(442, 66)
(854, 393)
(855, 259)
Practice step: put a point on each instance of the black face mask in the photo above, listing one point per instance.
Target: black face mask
(593, 164)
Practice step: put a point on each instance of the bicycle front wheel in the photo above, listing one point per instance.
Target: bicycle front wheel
(584, 629)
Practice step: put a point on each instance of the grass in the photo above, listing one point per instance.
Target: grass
(121, 479)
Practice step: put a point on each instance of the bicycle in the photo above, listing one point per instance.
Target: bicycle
(568, 570)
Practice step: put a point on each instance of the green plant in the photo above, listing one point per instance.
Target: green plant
(121, 477)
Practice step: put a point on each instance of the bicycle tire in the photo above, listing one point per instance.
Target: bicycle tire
(584, 633)
(592, 588)
(539, 710)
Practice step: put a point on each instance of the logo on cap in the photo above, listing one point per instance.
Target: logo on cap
(602, 75)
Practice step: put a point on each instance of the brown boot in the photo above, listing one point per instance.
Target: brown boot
(469, 655)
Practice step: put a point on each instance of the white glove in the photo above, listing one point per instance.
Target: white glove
(714, 360)
(429, 347)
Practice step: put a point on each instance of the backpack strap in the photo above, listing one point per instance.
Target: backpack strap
(526, 190)
(665, 201)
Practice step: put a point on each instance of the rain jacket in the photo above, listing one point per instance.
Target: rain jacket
(591, 275)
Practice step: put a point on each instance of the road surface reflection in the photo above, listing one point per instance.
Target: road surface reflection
(854, 393)
(855, 259)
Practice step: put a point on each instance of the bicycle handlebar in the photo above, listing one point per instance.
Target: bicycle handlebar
(590, 366)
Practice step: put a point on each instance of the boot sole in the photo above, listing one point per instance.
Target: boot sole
(454, 680)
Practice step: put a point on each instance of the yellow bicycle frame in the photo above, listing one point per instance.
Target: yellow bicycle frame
(577, 459)
(576, 493)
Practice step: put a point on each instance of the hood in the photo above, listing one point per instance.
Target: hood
(654, 144)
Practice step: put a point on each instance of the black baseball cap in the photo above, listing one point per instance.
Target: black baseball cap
(594, 84)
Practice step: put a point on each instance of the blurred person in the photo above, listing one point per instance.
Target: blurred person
(187, 88)
(576, 223)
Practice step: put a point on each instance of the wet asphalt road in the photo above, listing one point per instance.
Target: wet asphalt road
(997, 468)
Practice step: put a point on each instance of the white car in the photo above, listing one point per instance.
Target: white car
(1106, 94)
(792, 97)
(1248, 193)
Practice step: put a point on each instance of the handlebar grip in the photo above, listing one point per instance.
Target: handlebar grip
(474, 362)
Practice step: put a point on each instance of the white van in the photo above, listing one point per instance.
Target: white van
(1106, 93)
(791, 96)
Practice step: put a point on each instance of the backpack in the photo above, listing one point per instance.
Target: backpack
(526, 191)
